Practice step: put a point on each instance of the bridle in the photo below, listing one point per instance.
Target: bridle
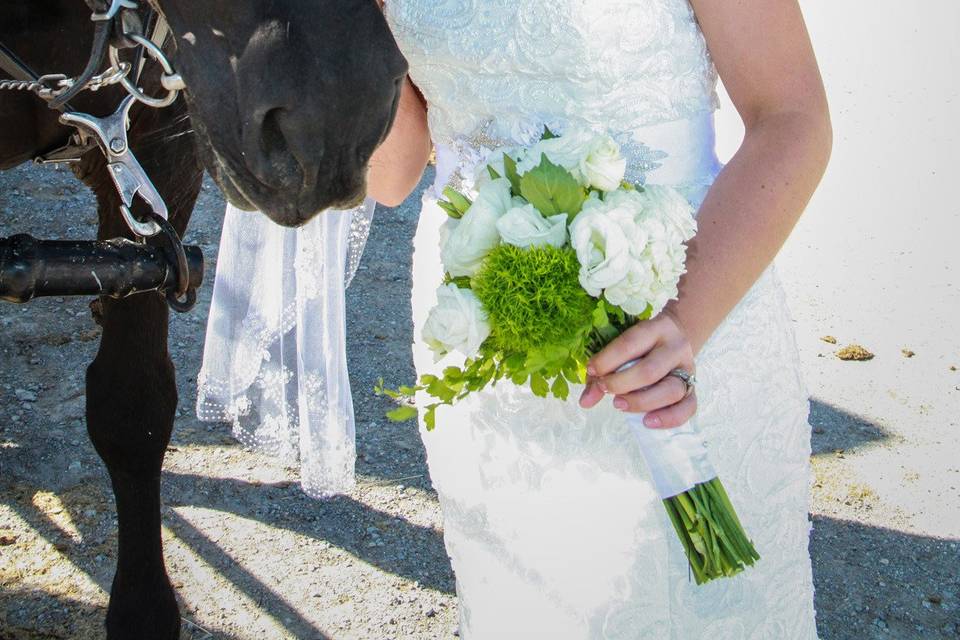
(118, 25)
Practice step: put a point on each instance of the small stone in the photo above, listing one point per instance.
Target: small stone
(75, 467)
(7, 540)
(854, 352)
(907, 353)
(829, 339)
(884, 561)
(953, 368)
(933, 598)
(431, 613)
(25, 396)
(88, 335)
(819, 430)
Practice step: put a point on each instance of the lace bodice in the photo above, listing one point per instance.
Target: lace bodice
(611, 65)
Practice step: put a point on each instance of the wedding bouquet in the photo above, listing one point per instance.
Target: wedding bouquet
(554, 257)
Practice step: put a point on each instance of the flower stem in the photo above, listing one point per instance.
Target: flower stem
(710, 532)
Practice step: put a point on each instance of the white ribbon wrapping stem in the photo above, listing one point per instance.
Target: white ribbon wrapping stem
(677, 458)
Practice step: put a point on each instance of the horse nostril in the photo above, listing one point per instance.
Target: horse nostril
(282, 157)
(272, 140)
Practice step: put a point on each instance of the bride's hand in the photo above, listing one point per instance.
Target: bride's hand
(659, 346)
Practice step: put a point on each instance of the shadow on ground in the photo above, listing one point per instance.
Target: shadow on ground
(836, 429)
(862, 585)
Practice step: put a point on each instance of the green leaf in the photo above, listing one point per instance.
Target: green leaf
(539, 385)
(575, 372)
(600, 318)
(441, 391)
(535, 361)
(450, 209)
(493, 173)
(514, 361)
(518, 378)
(452, 374)
(457, 199)
(430, 417)
(510, 166)
(402, 414)
(547, 134)
(462, 282)
(556, 354)
(552, 189)
(560, 388)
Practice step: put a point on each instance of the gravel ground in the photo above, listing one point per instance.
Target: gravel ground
(252, 557)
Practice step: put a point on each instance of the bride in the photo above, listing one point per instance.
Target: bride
(550, 519)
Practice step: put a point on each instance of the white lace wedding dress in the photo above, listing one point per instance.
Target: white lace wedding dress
(550, 519)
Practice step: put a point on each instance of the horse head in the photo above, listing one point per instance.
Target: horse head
(290, 98)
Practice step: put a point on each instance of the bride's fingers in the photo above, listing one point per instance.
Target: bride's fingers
(665, 393)
(649, 370)
(591, 395)
(631, 344)
(673, 416)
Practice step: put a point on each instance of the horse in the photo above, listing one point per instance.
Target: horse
(283, 104)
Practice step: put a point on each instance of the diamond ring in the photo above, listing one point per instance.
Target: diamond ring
(687, 378)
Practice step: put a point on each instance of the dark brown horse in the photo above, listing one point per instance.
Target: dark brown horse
(285, 102)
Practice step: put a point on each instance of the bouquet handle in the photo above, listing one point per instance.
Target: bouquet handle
(677, 458)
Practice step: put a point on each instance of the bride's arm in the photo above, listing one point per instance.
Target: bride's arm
(397, 164)
(763, 54)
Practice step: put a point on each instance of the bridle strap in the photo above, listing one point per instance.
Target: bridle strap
(14, 66)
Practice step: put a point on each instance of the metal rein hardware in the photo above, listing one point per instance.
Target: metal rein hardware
(110, 133)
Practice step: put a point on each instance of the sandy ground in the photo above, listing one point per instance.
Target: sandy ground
(872, 263)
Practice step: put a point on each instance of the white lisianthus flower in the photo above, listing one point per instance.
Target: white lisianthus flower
(661, 221)
(524, 226)
(476, 235)
(603, 167)
(669, 206)
(458, 323)
(603, 249)
(635, 291)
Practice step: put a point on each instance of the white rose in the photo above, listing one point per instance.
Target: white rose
(524, 226)
(567, 151)
(458, 323)
(603, 167)
(476, 234)
(601, 236)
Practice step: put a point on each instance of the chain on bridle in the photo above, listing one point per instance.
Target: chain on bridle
(117, 26)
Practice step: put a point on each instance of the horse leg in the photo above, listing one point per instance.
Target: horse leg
(131, 388)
